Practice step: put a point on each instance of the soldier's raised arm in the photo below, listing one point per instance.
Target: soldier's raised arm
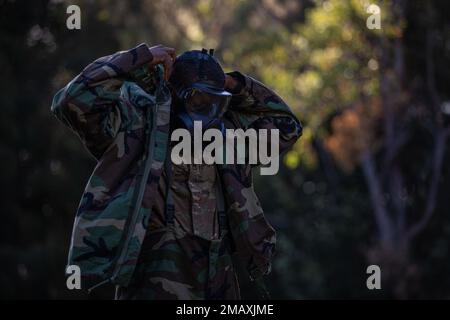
(259, 107)
(90, 103)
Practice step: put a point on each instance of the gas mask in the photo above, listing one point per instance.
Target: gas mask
(203, 103)
(198, 80)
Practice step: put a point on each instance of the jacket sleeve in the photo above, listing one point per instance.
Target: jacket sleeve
(259, 107)
(89, 104)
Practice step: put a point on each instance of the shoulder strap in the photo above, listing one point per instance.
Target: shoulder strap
(170, 204)
(220, 205)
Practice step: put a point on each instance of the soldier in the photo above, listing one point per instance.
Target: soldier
(154, 229)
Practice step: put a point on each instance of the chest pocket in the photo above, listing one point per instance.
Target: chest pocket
(195, 200)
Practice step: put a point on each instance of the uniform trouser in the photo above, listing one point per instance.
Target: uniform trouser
(175, 265)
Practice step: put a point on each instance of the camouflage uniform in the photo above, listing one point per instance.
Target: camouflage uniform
(121, 112)
(187, 255)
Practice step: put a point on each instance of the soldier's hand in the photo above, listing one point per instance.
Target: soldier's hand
(233, 85)
(230, 82)
(163, 55)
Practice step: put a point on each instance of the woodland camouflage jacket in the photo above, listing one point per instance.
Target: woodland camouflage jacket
(121, 114)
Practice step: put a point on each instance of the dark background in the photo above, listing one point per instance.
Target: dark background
(368, 183)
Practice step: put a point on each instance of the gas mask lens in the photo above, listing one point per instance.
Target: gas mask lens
(206, 104)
